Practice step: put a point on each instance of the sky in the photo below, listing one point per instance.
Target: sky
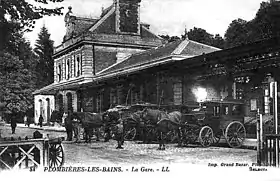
(165, 16)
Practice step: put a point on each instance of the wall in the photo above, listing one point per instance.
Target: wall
(44, 98)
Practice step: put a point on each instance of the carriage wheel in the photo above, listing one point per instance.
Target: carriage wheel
(235, 134)
(56, 155)
(206, 136)
(129, 134)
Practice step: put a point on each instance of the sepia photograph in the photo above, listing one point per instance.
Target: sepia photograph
(140, 90)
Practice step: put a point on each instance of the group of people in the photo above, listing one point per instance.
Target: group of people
(72, 125)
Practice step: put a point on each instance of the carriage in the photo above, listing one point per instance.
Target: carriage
(215, 119)
(31, 153)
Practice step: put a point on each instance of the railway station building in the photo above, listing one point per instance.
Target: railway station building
(117, 60)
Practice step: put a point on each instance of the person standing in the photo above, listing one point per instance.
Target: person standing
(13, 122)
(76, 127)
(119, 134)
(69, 126)
(41, 119)
(25, 120)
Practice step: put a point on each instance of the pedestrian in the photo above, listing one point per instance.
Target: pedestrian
(76, 127)
(28, 121)
(25, 120)
(69, 126)
(119, 134)
(41, 119)
(13, 122)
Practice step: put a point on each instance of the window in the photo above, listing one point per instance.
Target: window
(74, 66)
(65, 69)
(225, 110)
(68, 69)
(177, 89)
(81, 65)
(236, 110)
(216, 110)
(135, 95)
(119, 95)
(59, 73)
(78, 66)
(253, 104)
(113, 97)
(99, 101)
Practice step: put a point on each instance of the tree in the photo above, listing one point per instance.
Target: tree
(169, 38)
(266, 24)
(24, 14)
(202, 36)
(16, 84)
(44, 50)
(237, 33)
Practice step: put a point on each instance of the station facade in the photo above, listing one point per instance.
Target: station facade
(117, 60)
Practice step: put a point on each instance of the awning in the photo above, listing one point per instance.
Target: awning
(52, 89)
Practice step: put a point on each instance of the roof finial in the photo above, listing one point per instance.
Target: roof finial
(102, 9)
(185, 36)
(70, 9)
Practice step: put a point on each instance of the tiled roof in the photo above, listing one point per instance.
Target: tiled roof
(83, 24)
(181, 47)
(195, 48)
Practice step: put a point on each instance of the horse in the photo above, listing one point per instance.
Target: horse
(163, 122)
(56, 116)
(88, 121)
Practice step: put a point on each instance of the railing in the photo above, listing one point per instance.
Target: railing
(23, 154)
(268, 154)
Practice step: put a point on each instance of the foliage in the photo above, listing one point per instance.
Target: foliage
(16, 16)
(202, 36)
(16, 84)
(45, 66)
(169, 38)
(237, 33)
(266, 24)
(17, 60)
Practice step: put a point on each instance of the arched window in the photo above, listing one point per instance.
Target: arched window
(59, 103)
(41, 107)
(48, 109)
(69, 101)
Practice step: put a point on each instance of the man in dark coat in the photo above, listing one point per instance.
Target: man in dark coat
(41, 119)
(69, 126)
(118, 132)
(13, 122)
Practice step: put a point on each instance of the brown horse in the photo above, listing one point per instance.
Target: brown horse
(163, 122)
(89, 121)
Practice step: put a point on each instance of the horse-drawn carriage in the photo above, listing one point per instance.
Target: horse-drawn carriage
(215, 119)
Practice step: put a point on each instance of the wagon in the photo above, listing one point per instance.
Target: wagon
(31, 153)
(215, 119)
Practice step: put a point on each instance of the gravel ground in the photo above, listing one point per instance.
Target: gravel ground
(134, 153)
(192, 162)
